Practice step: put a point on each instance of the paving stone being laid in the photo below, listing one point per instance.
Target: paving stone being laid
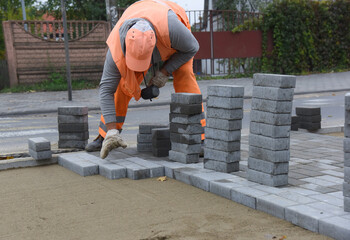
(77, 164)
(39, 144)
(42, 155)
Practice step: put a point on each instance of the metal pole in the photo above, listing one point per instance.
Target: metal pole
(24, 14)
(211, 43)
(66, 47)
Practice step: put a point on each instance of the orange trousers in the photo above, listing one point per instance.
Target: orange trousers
(184, 81)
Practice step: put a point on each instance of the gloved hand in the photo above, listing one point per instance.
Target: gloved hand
(159, 79)
(112, 140)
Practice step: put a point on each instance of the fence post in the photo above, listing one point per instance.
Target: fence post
(10, 53)
(211, 43)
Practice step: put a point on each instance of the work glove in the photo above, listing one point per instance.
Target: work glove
(159, 79)
(112, 140)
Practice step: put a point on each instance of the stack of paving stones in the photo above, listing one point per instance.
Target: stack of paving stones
(73, 127)
(39, 148)
(269, 138)
(346, 184)
(185, 127)
(161, 142)
(295, 123)
(144, 137)
(223, 129)
(309, 118)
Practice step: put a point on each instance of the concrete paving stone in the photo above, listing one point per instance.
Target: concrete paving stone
(146, 128)
(221, 166)
(72, 110)
(267, 179)
(295, 119)
(310, 119)
(186, 129)
(42, 155)
(39, 144)
(184, 174)
(183, 157)
(319, 182)
(273, 93)
(327, 208)
(294, 127)
(72, 119)
(274, 205)
(328, 199)
(202, 180)
(228, 146)
(80, 136)
(144, 147)
(186, 98)
(230, 91)
(223, 187)
(296, 197)
(307, 111)
(269, 155)
(346, 159)
(310, 126)
(333, 173)
(185, 119)
(335, 180)
(169, 167)
(225, 102)
(278, 119)
(134, 171)
(72, 127)
(220, 113)
(144, 138)
(156, 170)
(269, 130)
(318, 188)
(246, 196)
(78, 165)
(161, 133)
(187, 109)
(274, 80)
(72, 143)
(222, 156)
(301, 191)
(305, 216)
(338, 194)
(347, 101)
(346, 145)
(347, 204)
(185, 138)
(268, 167)
(347, 174)
(335, 227)
(224, 124)
(161, 143)
(275, 144)
(186, 148)
(160, 152)
(222, 134)
(346, 189)
(270, 190)
(295, 182)
(271, 105)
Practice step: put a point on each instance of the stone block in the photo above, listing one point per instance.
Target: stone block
(272, 93)
(72, 143)
(346, 189)
(186, 129)
(268, 167)
(347, 204)
(186, 148)
(347, 159)
(78, 165)
(269, 130)
(80, 136)
(146, 128)
(73, 110)
(309, 126)
(267, 179)
(202, 180)
(161, 143)
(169, 167)
(39, 144)
(230, 91)
(112, 171)
(272, 106)
(335, 227)
(186, 98)
(295, 119)
(222, 156)
(42, 155)
(269, 155)
(183, 157)
(347, 131)
(274, 80)
(144, 138)
(187, 109)
(274, 205)
(156, 170)
(294, 127)
(228, 146)
(278, 119)
(246, 196)
(144, 147)
(221, 166)
(275, 144)
(307, 111)
(347, 101)
(134, 171)
(222, 134)
(185, 138)
(183, 174)
(310, 119)
(72, 119)
(220, 113)
(161, 133)
(224, 102)
(346, 145)
(185, 119)
(224, 124)
(72, 127)
(160, 152)
(347, 174)
(222, 187)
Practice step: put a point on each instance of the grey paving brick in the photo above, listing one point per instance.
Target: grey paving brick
(134, 171)
(267, 179)
(156, 170)
(274, 205)
(268, 167)
(228, 146)
(224, 124)
(185, 119)
(327, 208)
(186, 129)
(279, 119)
(185, 148)
(72, 143)
(295, 119)
(72, 110)
(347, 204)
(269, 130)
(347, 101)
(307, 111)
(186, 98)
(161, 133)
(222, 156)
(235, 114)
(169, 167)
(183, 157)
(246, 196)
(272, 93)
(295, 196)
(72, 119)
(161, 143)
(78, 165)
(146, 128)
(276, 144)
(144, 138)
(185, 138)
(230, 91)
(160, 152)
(309, 126)
(335, 227)
(274, 80)
(72, 127)
(269, 155)
(188, 109)
(144, 147)
(80, 136)
(311, 119)
(42, 155)
(225, 102)
(347, 174)
(346, 145)
(222, 187)
(328, 199)
(222, 134)
(202, 180)
(39, 144)
(221, 166)
(346, 189)
(183, 174)
(271, 105)
(112, 171)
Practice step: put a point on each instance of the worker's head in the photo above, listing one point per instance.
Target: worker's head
(139, 42)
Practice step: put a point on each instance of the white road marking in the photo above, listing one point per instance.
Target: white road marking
(26, 133)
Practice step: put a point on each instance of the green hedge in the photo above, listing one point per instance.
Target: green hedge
(309, 36)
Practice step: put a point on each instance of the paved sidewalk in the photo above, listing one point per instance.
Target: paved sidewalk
(45, 102)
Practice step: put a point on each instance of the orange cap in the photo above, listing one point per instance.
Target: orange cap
(139, 42)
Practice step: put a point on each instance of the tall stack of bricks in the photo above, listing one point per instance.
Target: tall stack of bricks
(223, 129)
(269, 138)
(144, 137)
(185, 127)
(346, 184)
(73, 127)
(309, 118)
(161, 144)
(39, 148)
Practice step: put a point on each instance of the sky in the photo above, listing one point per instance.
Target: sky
(190, 4)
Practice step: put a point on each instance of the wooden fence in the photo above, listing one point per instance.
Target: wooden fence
(4, 76)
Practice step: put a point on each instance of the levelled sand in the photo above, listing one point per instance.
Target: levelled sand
(54, 203)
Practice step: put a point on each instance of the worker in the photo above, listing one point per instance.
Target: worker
(148, 32)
